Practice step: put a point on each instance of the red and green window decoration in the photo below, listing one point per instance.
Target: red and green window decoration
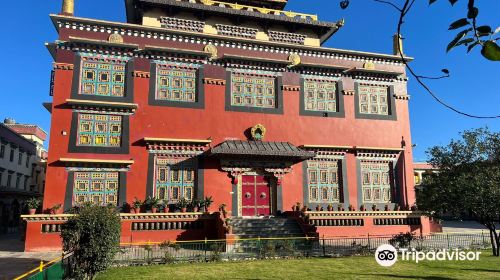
(320, 95)
(373, 99)
(98, 130)
(100, 188)
(376, 182)
(323, 181)
(250, 90)
(174, 180)
(176, 83)
(102, 75)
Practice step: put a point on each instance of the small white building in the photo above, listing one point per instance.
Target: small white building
(23, 162)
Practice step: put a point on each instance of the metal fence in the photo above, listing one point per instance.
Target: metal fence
(265, 248)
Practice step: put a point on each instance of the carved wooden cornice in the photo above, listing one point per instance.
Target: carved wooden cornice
(210, 81)
(95, 162)
(123, 216)
(63, 66)
(376, 214)
(375, 153)
(290, 88)
(141, 74)
(102, 105)
(176, 147)
(402, 97)
(348, 92)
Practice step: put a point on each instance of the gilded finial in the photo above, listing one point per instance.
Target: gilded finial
(68, 7)
(397, 44)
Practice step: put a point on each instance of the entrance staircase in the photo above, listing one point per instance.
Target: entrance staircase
(266, 228)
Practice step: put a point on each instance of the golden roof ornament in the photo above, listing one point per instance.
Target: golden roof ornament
(68, 7)
(115, 38)
(397, 44)
(212, 50)
(294, 59)
(258, 132)
(369, 65)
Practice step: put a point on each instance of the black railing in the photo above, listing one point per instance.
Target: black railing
(264, 248)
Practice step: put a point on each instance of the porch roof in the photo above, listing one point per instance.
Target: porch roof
(261, 149)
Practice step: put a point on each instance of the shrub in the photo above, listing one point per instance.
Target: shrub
(402, 240)
(93, 235)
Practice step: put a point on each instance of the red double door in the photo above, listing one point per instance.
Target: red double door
(256, 196)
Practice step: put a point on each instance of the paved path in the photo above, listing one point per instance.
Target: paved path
(14, 262)
(465, 227)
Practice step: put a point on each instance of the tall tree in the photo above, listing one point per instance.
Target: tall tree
(468, 180)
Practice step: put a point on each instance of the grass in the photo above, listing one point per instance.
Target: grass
(488, 267)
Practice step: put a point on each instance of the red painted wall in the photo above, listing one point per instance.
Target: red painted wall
(215, 122)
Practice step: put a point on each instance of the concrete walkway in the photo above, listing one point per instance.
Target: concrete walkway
(14, 261)
(465, 227)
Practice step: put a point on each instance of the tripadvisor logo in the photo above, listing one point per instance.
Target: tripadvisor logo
(386, 255)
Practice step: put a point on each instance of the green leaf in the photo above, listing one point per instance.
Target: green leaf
(472, 13)
(452, 2)
(491, 51)
(465, 42)
(454, 42)
(458, 23)
(484, 29)
(471, 46)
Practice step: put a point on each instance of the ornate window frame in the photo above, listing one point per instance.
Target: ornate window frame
(124, 142)
(390, 157)
(391, 103)
(176, 171)
(340, 113)
(176, 151)
(199, 87)
(77, 80)
(278, 109)
(327, 155)
(70, 193)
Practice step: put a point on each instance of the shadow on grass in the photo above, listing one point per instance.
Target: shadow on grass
(481, 269)
(402, 276)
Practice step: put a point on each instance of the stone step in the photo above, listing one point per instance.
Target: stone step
(266, 228)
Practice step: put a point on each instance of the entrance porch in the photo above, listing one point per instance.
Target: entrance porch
(257, 169)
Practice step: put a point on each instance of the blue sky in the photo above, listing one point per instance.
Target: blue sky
(369, 26)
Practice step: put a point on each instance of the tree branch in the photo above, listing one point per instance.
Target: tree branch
(403, 11)
(389, 3)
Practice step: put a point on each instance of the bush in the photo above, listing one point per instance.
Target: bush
(93, 235)
(402, 240)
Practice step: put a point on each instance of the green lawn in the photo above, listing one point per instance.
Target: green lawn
(319, 268)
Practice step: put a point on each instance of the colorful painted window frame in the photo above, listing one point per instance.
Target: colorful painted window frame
(102, 75)
(175, 179)
(376, 182)
(248, 90)
(254, 91)
(177, 83)
(323, 181)
(99, 130)
(100, 188)
(374, 99)
(320, 95)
